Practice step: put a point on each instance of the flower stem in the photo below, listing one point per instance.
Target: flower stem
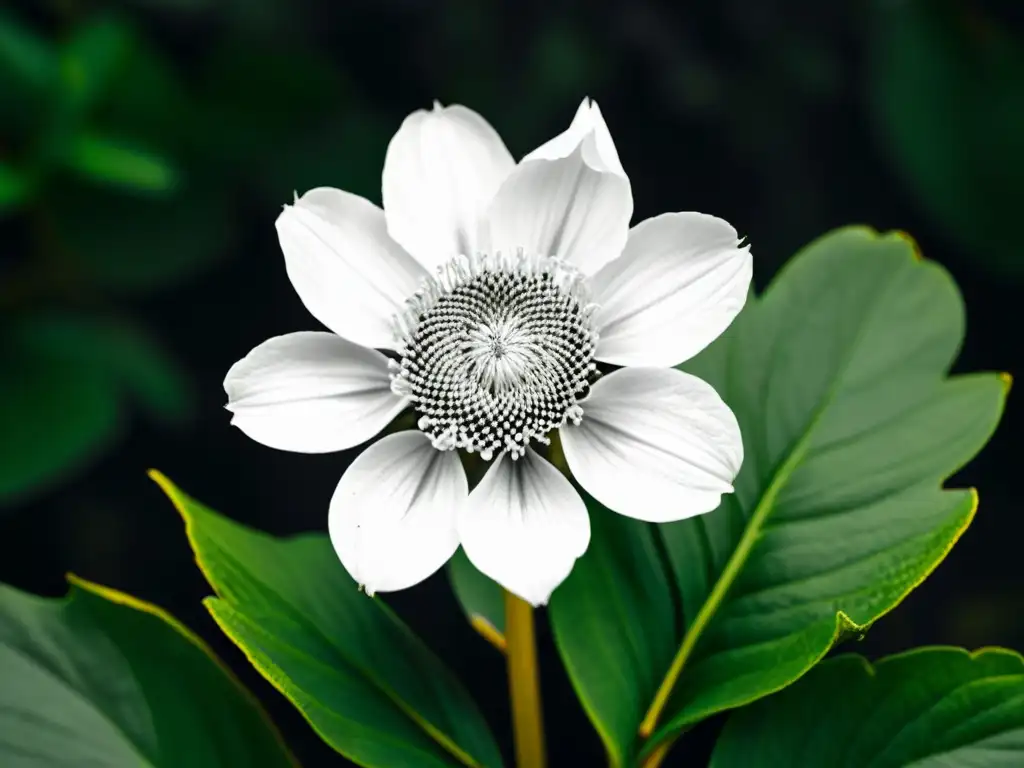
(524, 683)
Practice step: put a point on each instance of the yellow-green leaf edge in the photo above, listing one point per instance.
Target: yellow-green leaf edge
(177, 499)
(130, 601)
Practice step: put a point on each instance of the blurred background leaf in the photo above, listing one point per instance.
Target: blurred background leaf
(92, 57)
(60, 392)
(123, 243)
(15, 188)
(946, 88)
(113, 162)
(57, 412)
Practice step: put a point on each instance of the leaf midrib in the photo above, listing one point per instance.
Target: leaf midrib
(741, 553)
(144, 761)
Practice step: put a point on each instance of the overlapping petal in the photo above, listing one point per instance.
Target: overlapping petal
(350, 275)
(600, 155)
(680, 282)
(563, 207)
(525, 526)
(311, 392)
(441, 170)
(656, 444)
(392, 517)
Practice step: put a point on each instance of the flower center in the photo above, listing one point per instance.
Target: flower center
(495, 352)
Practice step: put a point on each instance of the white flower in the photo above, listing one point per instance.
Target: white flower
(494, 290)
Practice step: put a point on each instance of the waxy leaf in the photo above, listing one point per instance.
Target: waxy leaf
(100, 678)
(614, 623)
(928, 708)
(362, 679)
(838, 377)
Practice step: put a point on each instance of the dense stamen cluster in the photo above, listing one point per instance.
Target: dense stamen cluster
(496, 351)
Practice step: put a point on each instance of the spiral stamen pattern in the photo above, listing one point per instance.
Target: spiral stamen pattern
(496, 351)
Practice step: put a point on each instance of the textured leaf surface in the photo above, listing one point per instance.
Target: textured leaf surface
(838, 377)
(365, 683)
(929, 708)
(615, 626)
(102, 679)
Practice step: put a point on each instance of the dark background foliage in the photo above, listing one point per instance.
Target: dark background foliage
(146, 147)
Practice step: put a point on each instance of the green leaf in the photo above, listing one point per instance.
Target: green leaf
(928, 708)
(130, 243)
(837, 376)
(57, 413)
(15, 188)
(944, 91)
(481, 598)
(90, 61)
(101, 678)
(364, 682)
(28, 71)
(24, 56)
(59, 397)
(132, 360)
(615, 626)
(115, 162)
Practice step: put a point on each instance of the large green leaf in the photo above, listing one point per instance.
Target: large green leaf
(100, 678)
(850, 425)
(365, 683)
(928, 708)
(615, 625)
(838, 378)
(944, 89)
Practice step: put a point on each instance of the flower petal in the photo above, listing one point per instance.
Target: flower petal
(524, 526)
(679, 283)
(311, 392)
(350, 275)
(588, 119)
(392, 518)
(656, 444)
(441, 170)
(564, 207)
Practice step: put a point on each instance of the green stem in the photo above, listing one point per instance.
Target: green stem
(524, 683)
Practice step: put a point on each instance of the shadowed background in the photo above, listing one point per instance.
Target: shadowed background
(146, 147)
